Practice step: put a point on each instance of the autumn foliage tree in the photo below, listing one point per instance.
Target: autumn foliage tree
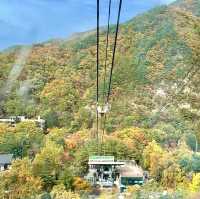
(47, 164)
(19, 182)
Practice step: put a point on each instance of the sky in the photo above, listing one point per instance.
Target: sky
(34, 21)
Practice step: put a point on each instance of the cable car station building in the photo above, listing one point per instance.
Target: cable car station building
(106, 172)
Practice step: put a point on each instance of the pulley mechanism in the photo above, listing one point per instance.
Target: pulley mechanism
(103, 109)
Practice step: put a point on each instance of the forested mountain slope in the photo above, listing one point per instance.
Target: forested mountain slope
(189, 5)
(156, 66)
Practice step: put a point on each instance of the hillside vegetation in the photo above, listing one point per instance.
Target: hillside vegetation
(154, 119)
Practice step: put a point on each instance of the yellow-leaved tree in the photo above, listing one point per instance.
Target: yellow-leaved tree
(47, 164)
(59, 192)
(195, 184)
(19, 181)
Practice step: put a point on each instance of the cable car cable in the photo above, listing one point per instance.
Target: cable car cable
(105, 64)
(107, 42)
(113, 57)
(114, 50)
(105, 67)
(97, 71)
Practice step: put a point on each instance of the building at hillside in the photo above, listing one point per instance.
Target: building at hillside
(41, 123)
(106, 172)
(5, 161)
(103, 170)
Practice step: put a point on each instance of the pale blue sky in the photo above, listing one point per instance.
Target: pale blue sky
(30, 21)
